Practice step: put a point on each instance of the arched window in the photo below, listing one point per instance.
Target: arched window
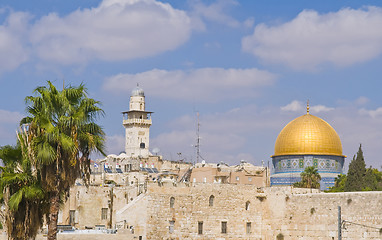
(172, 201)
(247, 205)
(211, 200)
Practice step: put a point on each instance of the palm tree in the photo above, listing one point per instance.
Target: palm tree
(310, 178)
(63, 133)
(20, 192)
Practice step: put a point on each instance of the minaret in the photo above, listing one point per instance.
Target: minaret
(137, 124)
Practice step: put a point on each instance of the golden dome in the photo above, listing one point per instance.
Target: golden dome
(306, 135)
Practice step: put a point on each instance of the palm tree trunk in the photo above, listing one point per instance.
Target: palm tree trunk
(54, 207)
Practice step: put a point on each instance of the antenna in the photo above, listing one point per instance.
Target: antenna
(197, 139)
(197, 146)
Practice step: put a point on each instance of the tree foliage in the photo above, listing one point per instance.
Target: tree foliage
(53, 151)
(356, 174)
(339, 183)
(63, 133)
(24, 200)
(359, 178)
(310, 178)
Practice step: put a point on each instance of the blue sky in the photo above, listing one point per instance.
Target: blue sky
(247, 67)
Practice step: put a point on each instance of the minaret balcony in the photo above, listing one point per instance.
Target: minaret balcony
(137, 121)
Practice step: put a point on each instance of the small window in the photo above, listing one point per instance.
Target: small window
(249, 225)
(205, 180)
(194, 180)
(171, 226)
(200, 227)
(104, 214)
(172, 201)
(247, 205)
(237, 178)
(72, 217)
(224, 227)
(249, 179)
(142, 145)
(211, 200)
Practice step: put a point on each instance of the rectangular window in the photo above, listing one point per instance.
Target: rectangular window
(72, 217)
(200, 227)
(237, 178)
(205, 180)
(104, 214)
(249, 179)
(249, 225)
(171, 227)
(224, 227)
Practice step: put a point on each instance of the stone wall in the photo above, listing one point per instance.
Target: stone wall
(287, 212)
(315, 216)
(277, 211)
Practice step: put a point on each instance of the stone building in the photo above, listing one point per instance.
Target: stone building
(307, 141)
(244, 173)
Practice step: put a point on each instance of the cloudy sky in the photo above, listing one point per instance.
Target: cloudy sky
(248, 68)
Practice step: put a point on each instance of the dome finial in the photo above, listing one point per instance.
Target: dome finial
(307, 107)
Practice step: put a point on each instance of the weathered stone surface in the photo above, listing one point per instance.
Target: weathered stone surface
(293, 213)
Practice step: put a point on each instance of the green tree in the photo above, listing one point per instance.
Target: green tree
(63, 133)
(20, 192)
(373, 180)
(339, 183)
(357, 170)
(310, 178)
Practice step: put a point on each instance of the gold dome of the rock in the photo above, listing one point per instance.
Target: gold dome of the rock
(306, 135)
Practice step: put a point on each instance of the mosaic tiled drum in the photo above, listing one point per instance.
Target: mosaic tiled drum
(307, 141)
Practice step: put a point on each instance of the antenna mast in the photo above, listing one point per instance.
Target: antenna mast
(197, 139)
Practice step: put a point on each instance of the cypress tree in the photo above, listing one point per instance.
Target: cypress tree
(356, 175)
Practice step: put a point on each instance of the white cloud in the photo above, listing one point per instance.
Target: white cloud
(342, 38)
(12, 47)
(249, 22)
(361, 100)
(372, 113)
(115, 30)
(320, 108)
(215, 11)
(205, 84)
(294, 106)
(298, 106)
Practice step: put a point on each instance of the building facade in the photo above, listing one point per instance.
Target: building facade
(243, 173)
